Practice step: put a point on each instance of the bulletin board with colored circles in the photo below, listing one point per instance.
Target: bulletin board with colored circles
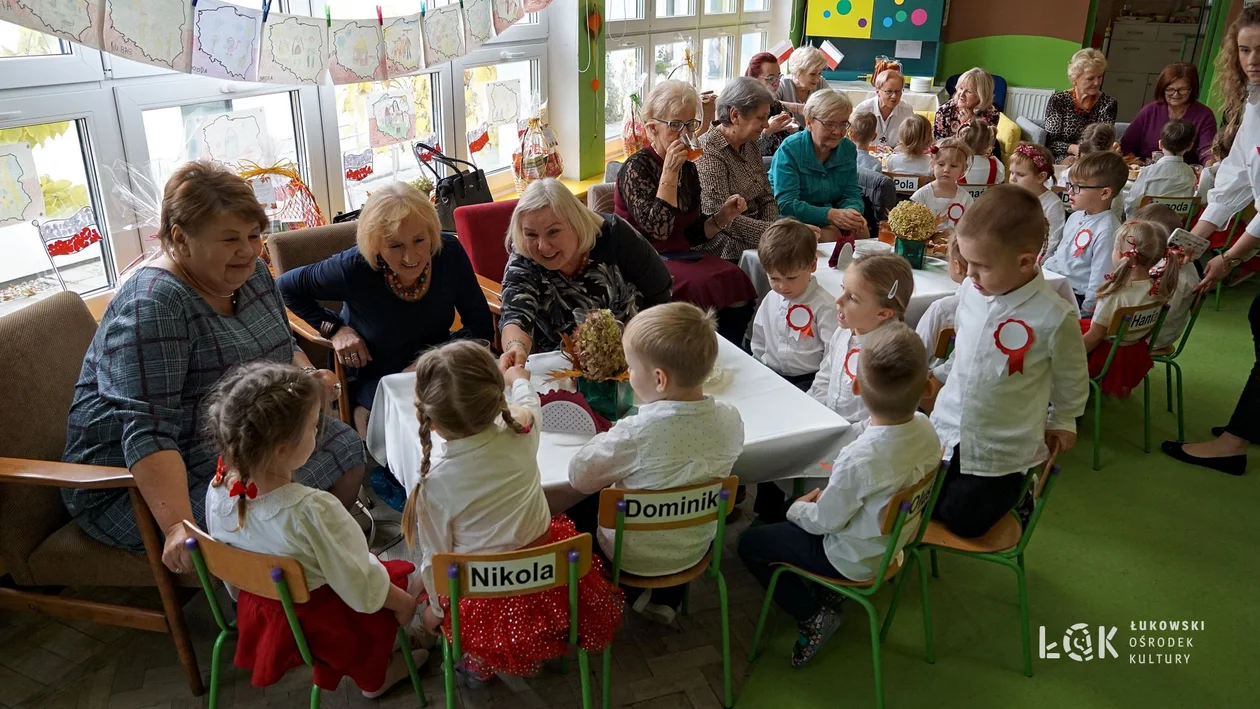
(875, 19)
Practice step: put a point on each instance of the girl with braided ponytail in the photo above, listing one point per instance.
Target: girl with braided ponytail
(264, 419)
(479, 491)
(1146, 272)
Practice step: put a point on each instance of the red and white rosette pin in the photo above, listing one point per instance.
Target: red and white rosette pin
(800, 321)
(955, 212)
(851, 364)
(1081, 242)
(1014, 338)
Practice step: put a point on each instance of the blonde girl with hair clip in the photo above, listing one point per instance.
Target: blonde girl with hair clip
(481, 493)
(264, 420)
(1032, 166)
(1141, 249)
(942, 195)
(877, 290)
(914, 138)
(983, 168)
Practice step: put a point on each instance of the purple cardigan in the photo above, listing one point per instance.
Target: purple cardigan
(1141, 138)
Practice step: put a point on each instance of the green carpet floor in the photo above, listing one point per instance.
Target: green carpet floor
(1144, 539)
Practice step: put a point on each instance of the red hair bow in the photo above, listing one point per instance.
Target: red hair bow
(250, 491)
(933, 149)
(219, 471)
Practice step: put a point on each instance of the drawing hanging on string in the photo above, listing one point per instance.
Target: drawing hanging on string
(358, 165)
(478, 23)
(503, 101)
(232, 137)
(356, 51)
(506, 14)
(21, 198)
(292, 49)
(443, 36)
(71, 20)
(225, 40)
(157, 32)
(404, 52)
(391, 118)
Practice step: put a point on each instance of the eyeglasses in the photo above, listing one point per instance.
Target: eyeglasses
(677, 126)
(842, 126)
(1176, 92)
(1075, 189)
(772, 78)
(891, 92)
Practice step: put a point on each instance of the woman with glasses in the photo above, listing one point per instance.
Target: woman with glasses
(814, 174)
(1068, 112)
(1176, 97)
(887, 106)
(973, 98)
(764, 67)
(807, 65)
(658, 192)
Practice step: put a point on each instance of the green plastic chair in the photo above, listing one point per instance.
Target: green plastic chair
(672, 511)
(275, 577)
(1233, 230)
(905, 521)
(1119, 326)
(481, 576)
(1004, 544)
(1168, 357)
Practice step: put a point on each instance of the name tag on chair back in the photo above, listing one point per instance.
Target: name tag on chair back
(975, 190)
(659, 510)
(512, 573)
(915, 498)
(1183, 206)
(907, 184)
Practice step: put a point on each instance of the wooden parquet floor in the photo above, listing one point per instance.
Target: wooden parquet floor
(77, 665)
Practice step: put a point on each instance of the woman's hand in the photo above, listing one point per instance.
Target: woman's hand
(1215, 272)
(175, 555)
(332, 387)
(779, 123)
(351, 350)
(731, 208)
(847, 219)
(513, 356)
(675, 158)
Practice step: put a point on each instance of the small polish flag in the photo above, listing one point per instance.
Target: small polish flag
(782, 50)
(478, 138)
(834, 56)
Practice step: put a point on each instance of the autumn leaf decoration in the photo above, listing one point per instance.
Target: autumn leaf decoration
(594, 350)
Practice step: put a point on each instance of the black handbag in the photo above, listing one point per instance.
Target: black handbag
(459, 189)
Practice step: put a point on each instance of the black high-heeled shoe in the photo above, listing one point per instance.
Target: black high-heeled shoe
(1230, 464)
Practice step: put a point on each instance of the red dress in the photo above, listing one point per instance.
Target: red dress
(516, 635)
(342, 640)
(1128, 369)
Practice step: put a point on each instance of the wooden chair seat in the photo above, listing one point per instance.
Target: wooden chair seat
(678, 579)
(1163, 351)
(1003, 536)
(893, 569)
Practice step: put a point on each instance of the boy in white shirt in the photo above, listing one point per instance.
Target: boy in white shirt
(1018, 354)
(862, 132)
(1084, 252)
(1169, 176)
(836, 532)
(797, 318)
(679, 437)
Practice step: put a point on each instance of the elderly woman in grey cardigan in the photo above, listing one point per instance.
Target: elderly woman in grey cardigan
(807, 64)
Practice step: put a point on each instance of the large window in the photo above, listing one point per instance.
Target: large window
(626, 75)
(496, 98)
(18, 41)
(718, 55)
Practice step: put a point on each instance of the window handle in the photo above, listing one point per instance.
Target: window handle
(511, 55)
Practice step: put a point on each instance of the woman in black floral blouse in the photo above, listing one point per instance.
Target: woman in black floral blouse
(973, 98)
(564, 258)
(1068, 112)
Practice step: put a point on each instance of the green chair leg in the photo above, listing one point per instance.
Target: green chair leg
(876, 665)
(314, 696)
(798, 487)
(927, 609)
(214, 668)
(1146, 413)
(412, 671)
(899, 586)
(584, 665)
(448, 672)
(1025, 633)
(1219, 286)
(765, 612)
(605, 678)
(726, 642)
(1168, 384)
(1097, 424)
(1181, 405)
(936, 572)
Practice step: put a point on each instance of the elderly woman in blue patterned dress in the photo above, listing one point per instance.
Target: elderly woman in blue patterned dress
(205, 305)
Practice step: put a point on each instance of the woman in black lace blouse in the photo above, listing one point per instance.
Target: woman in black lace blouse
(564, 258)
(658, 192)
(1068, 112)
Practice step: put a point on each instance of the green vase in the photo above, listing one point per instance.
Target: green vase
(911, 251)
(610, 399)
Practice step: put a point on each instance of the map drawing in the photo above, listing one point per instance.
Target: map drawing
(21, 198)
(144, 31)
(356, 52)
(478, 25)
(404, 52)
(73, 20)
(443, 36)
(293, 49)
(506, 14)
(225, 38)
(391, 119)
(503, 98)
(232, 137)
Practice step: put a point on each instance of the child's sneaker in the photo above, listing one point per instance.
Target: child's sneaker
(471, 676)
(814, 633)
(653, 611)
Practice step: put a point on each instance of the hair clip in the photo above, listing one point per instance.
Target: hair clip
(932, 150)
(219, 471)
(525, 428)
(892, 292)
(1108, 277)
(238, 489)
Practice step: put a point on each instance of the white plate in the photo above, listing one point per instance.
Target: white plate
(866, 247)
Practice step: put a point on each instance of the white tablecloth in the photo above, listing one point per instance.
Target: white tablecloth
(785, 431)
(931, 283)
(859, 91)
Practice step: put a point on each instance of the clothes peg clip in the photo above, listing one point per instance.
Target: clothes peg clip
(266, 7)
(328, 16)
(380, 19)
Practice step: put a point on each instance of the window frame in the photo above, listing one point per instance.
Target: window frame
(133, 99)
(732, 35)
(103, 148)
(636, 25)
(80, 65)
(762, 28)
(657, 39)
(642, 45)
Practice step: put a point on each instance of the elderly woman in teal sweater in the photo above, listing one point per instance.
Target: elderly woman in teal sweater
(814, 173)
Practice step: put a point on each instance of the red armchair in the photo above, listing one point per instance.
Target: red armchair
(482, 229)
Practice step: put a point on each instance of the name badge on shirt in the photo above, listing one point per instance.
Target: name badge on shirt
(800, 322)
(851, 365)
(1013, 338)
(1081, 242)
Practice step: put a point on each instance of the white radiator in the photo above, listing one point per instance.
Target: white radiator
(1026, 102)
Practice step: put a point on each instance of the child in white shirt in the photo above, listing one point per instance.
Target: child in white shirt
(862, 132)
(1207, 176)
(1018, 354)
(913, 140)
(679, 437)
(1084, 253)
(797, 318)
(877, 290)
(1187, 278)
(264, 419)
(982, 168)
(940, 317)
(1031, 166)
(1098, 138)
(942, 195)
(482, 493)
(836, 531)
(1169, 176)
(1140, 246)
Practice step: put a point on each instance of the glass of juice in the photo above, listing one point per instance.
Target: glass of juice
(693, 145)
